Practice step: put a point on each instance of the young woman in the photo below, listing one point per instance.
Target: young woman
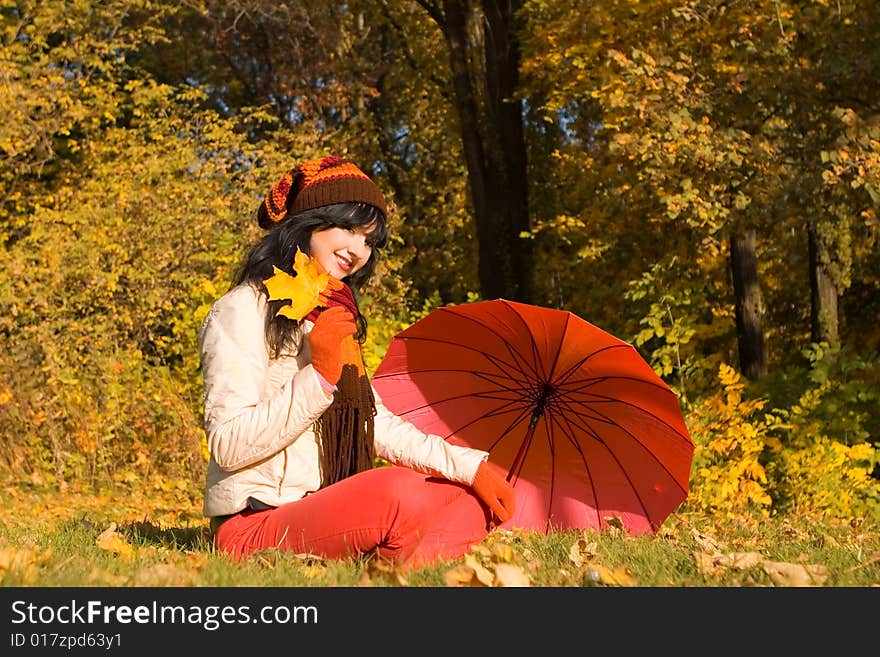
(292, 422)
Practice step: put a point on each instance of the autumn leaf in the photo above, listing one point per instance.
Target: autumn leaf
(23, 562)
(380, 569)
(739, 560)
(470, 573)
(793, 574)
(713, 565)
(310, 288)
(503, 553)
(705, 542)
(598, 574)
(507, 574)
(582, 551)
(163, 574)
(484, 575)
(461, 576)
(111, 541)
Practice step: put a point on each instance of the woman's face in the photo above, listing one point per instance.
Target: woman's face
(341, 251)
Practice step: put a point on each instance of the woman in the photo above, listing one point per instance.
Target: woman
(293, 424)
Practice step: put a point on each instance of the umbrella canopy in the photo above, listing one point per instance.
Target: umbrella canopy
(575, 419)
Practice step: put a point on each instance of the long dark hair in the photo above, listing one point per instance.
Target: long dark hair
(279, 245)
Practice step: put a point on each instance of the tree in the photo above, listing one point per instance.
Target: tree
(484, 59)
(711, 120)
(749, 312)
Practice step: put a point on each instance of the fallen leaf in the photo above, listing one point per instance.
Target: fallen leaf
(795, 574)
(163, 574)
(582, 552)
(20, 562)
(706, 565)
(485, 576)
(705, 542)
(481, 549)
(503, 552)
(829, 540)
(509, 575)
(113, 542)
(620, 576)
(738, 560)
(380, 568)
(462, 576)
(615, 525)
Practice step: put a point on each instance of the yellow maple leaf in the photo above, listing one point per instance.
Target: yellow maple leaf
(310, 288)
(113, 542)
(507, 574)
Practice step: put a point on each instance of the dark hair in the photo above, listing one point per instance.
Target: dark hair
(278, 247)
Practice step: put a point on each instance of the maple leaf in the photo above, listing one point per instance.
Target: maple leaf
(310, 288)
(112, 541)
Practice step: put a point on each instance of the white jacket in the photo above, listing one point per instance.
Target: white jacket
(259, 414)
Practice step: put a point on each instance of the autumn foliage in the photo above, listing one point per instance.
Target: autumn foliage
(137, 139)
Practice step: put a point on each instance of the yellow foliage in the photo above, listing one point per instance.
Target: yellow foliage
(728, 476)
(750, 464)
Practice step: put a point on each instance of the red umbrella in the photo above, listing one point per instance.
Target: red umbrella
(578, 422)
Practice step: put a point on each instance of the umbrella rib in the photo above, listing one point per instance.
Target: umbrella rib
(558, 346)
(499, 410)
(494, 379)
(577, 446)
(436, 402)
(519, 365)
(595, 435)
(517, 357)
(499, 363)
(571, 370)
(491, 377)
(581, 384)
(536, 370)
(607, 400)
(517, 420)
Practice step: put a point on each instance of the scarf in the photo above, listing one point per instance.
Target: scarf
(345, 429)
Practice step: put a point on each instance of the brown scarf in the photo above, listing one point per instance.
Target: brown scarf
(345, 429)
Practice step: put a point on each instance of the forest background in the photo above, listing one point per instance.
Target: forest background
(700, 178)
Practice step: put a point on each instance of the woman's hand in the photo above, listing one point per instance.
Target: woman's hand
(331, 327)
(495, 491)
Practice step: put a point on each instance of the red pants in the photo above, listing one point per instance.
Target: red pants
(405, 516)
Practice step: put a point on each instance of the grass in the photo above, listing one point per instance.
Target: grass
(158, 538)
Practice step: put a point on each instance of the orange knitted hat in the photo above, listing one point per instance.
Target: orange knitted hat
(318, 182)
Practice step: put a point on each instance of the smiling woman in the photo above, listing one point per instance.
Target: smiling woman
(342, 251)
(292, 421)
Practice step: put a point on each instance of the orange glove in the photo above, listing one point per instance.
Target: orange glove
(325, 339)
(495, 491)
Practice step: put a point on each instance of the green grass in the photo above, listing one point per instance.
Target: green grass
(43, 545)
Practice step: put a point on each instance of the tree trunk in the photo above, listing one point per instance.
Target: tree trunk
(823, 292)
(747, 291)
(494, 144)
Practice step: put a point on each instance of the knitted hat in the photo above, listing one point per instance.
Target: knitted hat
(318, 182)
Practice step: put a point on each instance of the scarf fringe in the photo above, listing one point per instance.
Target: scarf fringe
(345, 430)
